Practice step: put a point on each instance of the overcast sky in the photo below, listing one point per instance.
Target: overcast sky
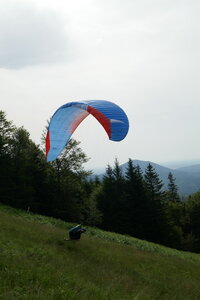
(143, 55)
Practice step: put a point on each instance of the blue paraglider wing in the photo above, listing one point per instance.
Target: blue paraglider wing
(66, 119)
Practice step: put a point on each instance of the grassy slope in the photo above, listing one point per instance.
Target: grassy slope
(36, 263)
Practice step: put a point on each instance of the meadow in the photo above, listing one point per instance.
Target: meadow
(37, 263)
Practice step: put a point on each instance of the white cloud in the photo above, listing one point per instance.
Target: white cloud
(142, 55)
(30, 35)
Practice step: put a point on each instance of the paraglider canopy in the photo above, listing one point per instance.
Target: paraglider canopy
(67, 118)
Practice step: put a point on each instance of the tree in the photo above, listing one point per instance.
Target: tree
(174, 213)
(6, 132)
(28, 181)
(70, 175)
(105, 199)
(112, 202)
(92, 214)
(191, 225)
(153, 184)
(172, 192)
(136, 199)
(28, 171)
(158, 226)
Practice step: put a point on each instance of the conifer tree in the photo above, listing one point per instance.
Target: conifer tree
(153, 183)
(136, 199)
(174, 211)
(6, 132)
(105, 199)
(158, 226)
(117, 172)
(112, 200)
(172, 193)
(109, 174)
(192, 223)
(119, 200)
(28, 171)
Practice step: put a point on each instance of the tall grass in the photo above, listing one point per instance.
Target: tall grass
(36, 263)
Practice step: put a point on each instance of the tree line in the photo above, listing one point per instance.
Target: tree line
(133, 203)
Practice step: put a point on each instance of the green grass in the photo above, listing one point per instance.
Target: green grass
(36, 263)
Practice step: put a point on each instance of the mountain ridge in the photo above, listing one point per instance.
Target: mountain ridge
(187, 178)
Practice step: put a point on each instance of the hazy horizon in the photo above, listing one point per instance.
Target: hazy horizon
(142, 55)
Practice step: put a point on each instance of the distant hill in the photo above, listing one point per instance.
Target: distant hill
(187, 178)
(162, 171)
(180, 163)
(191, 169)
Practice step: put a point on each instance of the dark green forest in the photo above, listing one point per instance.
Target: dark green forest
(134, 204)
